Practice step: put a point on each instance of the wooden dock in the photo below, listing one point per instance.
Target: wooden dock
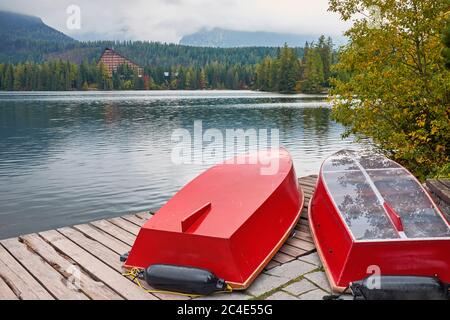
(82, 262)
(440, 191)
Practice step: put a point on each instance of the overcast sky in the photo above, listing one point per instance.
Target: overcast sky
(169, 20)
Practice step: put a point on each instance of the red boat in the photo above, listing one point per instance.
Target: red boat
(369, 214)
(230, 220)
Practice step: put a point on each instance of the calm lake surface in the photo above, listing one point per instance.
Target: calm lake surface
(69, 158)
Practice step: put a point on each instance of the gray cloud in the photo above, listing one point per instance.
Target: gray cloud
(169, 20)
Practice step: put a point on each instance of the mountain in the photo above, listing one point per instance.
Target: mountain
(229, 38)
(28, 38)
(25, 37)
(23, 26)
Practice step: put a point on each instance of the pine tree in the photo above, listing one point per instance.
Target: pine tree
(202, 80)
(313, 76)
(9, 78)
(288, 70)
(106, 82)
(2, 76)
(189, 79)
(325, 48)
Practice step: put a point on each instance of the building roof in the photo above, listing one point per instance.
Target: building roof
(116, 60)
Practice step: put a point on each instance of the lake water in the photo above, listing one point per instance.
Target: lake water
(69, 158)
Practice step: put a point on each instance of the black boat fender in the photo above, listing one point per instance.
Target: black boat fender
(183, 279)
(401, 288)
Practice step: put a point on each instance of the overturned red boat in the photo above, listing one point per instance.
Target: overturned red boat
(230, 220)
(369, 214)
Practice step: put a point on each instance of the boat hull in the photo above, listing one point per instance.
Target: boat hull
(234, 245)
(347, 258)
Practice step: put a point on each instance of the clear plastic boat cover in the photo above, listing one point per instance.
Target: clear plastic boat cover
(360, 184)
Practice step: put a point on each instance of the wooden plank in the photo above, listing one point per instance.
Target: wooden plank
(302, 244)
(134, 219)
(5, 292)
(439, 189)
(95, 248)
(282, 258)
(307, 196)
(107, 256)
(310, 184)
(302, 235)
(114, 231)
(301, 227)
(94, 266)
(312, 178)
(292, 251)
(161, 295)
(104, 238)
(51, 279)
(307, 188)
(126, 225)
(20, 281)
(304, 215)
(307, 199)
(272, 264)
(304, 229)
(309, 181)
(94, 289)
(445, 182)
(144, 215)
(303, 222)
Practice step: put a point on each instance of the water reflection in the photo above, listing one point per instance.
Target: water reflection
(360, 206)
(407, 198)
(68, 158)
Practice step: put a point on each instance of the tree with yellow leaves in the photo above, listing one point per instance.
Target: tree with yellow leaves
(396, 89)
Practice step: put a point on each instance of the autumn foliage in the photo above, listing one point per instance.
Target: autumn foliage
(394, 86)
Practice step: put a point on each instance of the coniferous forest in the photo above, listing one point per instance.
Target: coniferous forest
(289, 73)
(175, 67)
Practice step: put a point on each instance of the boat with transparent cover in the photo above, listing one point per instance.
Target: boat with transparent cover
(369, 214)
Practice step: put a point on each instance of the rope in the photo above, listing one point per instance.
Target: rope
(134, 275)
